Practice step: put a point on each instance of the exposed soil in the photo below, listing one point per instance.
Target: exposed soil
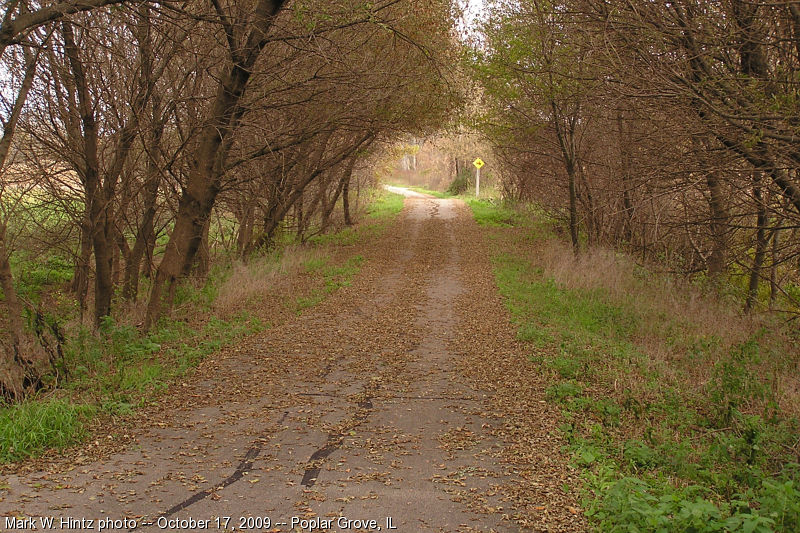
(401, 397)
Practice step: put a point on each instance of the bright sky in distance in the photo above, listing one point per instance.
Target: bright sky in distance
(472, 12)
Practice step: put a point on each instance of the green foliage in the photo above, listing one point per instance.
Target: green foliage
(491, 213)
(314, 264)
(578, 315)
(566, 367)
(630, 504)
(386, 206)
(687, 459)
(530, 68)
(564, 391)
(337, 277)
(334, 277)
(639, 455)
(734, 383)
(121, 369)
(35, 426)
(345, 237)
(33, 277)
(304, 302)
(202, 295)
(122, 364)
(461, 182)
(780, 501)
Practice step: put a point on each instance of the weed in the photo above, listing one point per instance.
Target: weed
(437, 194)
(118, 369)
(564, 391)
(116, 407)
(566, 367)
(490, 213)
(314, 264)
(304, 302)
(630, 504)
(386, 205)
(461, 182)
(35, 277)
(334, 278)
(734, 383)
(33, 427)
(670, 403)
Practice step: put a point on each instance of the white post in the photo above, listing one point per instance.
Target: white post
(477, 181)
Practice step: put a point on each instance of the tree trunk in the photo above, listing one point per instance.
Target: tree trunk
(95, 204)
(80, 278)
(103, 278)
(761, 246)
(719, 220)
(346, 200)
(624, 155)
(299, 217)
(329, 207)
(145, 231)
(573, 210)
(193, 210)
(592, 224)
(204, 181)
(122, 254)
(280, 206)
(203, 266)
(12, 371)
(566, 142)
(773, 271)
(245, 234)
(144, 236)
(24, 362)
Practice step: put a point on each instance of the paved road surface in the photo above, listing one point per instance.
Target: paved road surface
(357, 410)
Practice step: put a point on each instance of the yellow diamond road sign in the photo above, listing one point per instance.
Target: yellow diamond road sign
(478, 163)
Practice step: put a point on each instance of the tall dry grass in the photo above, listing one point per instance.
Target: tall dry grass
(675, 315)
(250, 282)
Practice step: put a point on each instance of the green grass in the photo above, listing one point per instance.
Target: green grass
(122, 367)
(386, 205)
(489, 212)
(660, 456)
(118, 369)
(333, 277)
(423, 190)
(32, 427)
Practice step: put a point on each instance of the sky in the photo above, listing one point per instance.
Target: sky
(474, 7)
(472, 12)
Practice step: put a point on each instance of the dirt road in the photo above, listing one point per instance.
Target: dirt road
(397, 402)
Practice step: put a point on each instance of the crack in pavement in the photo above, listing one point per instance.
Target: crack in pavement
(245, 465)
(398, 397)
(333, 443)
(393, 357)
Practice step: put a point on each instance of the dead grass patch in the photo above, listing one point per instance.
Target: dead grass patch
(684, 331)
(249, 281)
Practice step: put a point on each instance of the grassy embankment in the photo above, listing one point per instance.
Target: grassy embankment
(487, 191)
(437, 194)
(111, 374)
(681, 412)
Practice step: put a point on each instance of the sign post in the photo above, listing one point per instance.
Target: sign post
(478, 164)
